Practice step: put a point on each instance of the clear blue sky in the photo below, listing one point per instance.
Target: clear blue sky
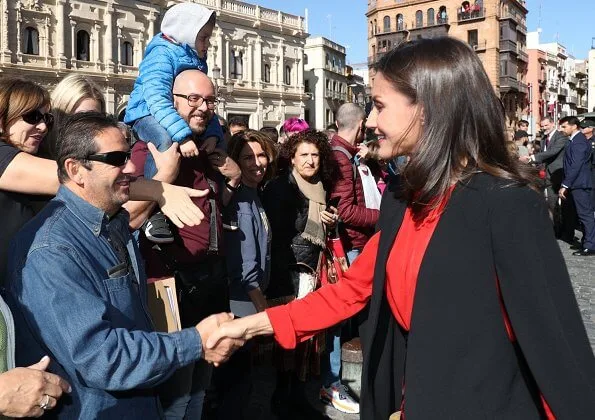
(572, 22)
(346, 19)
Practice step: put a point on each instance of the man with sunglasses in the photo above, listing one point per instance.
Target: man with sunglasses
(196, 256)
(78, 286)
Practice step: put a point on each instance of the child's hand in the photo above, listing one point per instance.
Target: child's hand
(188, 148)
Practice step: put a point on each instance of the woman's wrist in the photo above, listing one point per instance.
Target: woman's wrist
(257, 324)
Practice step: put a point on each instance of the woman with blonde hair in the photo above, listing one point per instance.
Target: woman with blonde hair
(75, 93)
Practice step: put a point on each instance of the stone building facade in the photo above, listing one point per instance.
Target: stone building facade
(496, 29)
(325, 80)
(258, 52)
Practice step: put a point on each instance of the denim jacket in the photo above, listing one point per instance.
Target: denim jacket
(93, 325)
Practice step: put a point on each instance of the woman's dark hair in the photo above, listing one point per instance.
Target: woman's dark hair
(328, 165)
(464, 123)
(239, 140)
(18, 97)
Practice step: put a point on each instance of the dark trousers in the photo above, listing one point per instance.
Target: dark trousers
(565, 219)
(586, 214)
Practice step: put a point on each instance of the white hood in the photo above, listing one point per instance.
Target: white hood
(184, 21)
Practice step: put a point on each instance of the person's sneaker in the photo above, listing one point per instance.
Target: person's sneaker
(157, 229)
(338, 396)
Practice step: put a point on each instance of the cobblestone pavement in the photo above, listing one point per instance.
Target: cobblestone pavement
(582, 274)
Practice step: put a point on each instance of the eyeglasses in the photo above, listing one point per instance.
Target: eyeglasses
(195, 100)
(117, 158)
(34, 117)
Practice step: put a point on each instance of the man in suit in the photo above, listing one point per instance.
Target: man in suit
(588, 129)
(577, 178)
(553, 144)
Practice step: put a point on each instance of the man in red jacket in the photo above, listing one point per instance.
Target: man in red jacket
(356, 227)
(357, 221)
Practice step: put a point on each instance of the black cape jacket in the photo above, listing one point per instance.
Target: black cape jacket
(457, 361)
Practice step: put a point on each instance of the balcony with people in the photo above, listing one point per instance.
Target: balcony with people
(469, 12)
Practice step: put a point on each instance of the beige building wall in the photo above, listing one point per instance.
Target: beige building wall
(118, 32)
(496, 30)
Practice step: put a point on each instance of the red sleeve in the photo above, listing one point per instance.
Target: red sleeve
(301, 319)
(351, 213)
(139, 154)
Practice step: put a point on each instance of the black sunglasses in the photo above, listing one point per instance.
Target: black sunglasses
(34, 117)
(117, 158)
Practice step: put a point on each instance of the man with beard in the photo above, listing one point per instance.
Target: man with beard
(78, 287)
(195, 258)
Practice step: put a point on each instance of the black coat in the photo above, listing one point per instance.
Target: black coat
(458, 359)
(287, 210)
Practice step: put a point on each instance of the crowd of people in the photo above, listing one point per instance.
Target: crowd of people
(433, 239)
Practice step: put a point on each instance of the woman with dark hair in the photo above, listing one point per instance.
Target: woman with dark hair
(295, 204)
(471, 313)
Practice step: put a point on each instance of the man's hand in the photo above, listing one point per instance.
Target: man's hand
(241, 329)
(176, 204)
(562, 193)
(167, 163)
(188, 148)
(363, 151)
(525, 159)
(224, 164)
(225, 347)
(24, 390)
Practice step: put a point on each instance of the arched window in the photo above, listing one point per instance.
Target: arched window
(419, 19)
(400, 25)
(267, 74)
(127, 58)
(387, 24)
(371, 28)
(442, 16)
(237, 65)
(82, 46)
(31, 41)
(430, 16)
(287, 75)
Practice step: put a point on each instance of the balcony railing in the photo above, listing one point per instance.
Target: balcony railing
(523, 88)
(471, 15)
(572, 99)
(522, 54)
(479, 46)
(572, 80)
(563, 92)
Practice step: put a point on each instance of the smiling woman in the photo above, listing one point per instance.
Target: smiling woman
(465, 282)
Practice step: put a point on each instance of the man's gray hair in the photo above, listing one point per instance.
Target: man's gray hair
(349, 116)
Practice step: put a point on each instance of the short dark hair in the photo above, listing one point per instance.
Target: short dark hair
(238, 122)
(271, 132)
(76, 138)
(570, 120)
(328, 164)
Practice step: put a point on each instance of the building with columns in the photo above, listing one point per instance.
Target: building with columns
(496, 30)
(257, 53)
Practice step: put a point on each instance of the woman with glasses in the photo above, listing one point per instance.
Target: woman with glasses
(470, 309)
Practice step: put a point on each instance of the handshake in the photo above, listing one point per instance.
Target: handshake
(222, 335)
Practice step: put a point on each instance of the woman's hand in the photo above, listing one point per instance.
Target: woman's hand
(330, 217)
(28, 392)
(241, 328)
(167, 163)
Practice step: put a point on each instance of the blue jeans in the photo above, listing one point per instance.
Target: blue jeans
(149, 130)
(182, 396)
(332, 371)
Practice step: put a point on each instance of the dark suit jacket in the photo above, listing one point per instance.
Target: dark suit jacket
(577, 163)
(457, 362)
(553, 157)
